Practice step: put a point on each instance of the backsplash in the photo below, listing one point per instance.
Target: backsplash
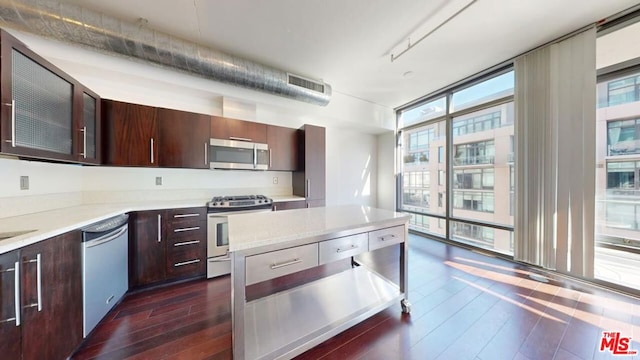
(53, 186)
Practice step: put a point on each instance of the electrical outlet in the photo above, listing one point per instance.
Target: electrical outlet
(275, 180)
(24, 183)
(158, 180)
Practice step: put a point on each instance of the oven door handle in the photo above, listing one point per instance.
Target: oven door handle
(220, 259)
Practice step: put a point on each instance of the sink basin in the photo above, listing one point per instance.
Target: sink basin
(10, 234)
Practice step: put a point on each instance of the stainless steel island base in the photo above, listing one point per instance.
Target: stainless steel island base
(287, 323)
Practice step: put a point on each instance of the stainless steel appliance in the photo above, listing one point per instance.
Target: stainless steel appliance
(238, 153)
(219, 208)
(104, 268)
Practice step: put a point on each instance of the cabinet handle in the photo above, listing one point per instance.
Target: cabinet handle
(16, 299)
(288, 263)
(39, 276)
(13, 123)
(351, 247)
(185, 215)
(275, 207)
(38, 261)
(255, 156)
(159, 227)
(186, 263)
(152, 150)
(269, 157)
(386, 237)
(16, 287)
(206, 154)
(186, 243)
(239, 138)
(186, 229)
(84, 142)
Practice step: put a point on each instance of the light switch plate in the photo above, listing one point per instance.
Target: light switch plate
(158, 180)
(275, 179)
(24, 183)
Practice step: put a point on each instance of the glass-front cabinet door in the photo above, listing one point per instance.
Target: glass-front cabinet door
(45, 113)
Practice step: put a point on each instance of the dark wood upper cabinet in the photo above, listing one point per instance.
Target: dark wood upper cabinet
(130, 134)
(183, 139)
(283, 148)
(233, 129)
(88, 138)
(310, 181)
(44, 112)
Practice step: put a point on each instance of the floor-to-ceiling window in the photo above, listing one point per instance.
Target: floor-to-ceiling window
(617, 255)
(457, 163)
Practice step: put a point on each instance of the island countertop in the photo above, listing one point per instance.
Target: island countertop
(253, 231)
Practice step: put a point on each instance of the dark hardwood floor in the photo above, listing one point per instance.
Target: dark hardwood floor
(464, 306)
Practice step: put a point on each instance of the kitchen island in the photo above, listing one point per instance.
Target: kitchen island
(264, 246)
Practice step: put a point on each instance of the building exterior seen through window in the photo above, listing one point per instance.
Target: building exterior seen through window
(480, 187)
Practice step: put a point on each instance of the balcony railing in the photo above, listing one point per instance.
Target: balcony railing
(474, 160)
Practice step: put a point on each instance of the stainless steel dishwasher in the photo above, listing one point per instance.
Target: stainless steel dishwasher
(104, 268)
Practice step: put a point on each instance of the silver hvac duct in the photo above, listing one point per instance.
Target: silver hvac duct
(71, 23)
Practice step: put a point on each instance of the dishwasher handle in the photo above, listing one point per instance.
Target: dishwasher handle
(106, 238)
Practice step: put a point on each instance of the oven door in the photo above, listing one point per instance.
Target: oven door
(217, 236)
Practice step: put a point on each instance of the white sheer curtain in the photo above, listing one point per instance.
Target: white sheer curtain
(555, 100)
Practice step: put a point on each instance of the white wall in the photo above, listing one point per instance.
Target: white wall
(386, 171)
(352, 167)
(352, 125)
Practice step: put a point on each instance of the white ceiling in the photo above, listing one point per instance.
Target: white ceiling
(347, 43)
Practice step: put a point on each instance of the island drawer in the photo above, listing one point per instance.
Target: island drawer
(344, 247)
(386, 237)
(279, 263)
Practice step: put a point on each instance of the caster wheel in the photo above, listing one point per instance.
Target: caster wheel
(406, 306)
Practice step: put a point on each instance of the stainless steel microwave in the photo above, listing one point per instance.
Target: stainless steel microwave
(236, 154)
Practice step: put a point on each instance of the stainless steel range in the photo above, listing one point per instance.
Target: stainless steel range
(219, 208)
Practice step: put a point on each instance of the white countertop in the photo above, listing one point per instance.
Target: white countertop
(254, 230)
(51, 223)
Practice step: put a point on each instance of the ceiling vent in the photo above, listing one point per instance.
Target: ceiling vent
(74, 24)
(306, 83)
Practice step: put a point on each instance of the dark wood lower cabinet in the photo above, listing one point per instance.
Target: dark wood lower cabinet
(52, 322)
(50, 286)
(10, 334)
(147, 249)
(166, 245)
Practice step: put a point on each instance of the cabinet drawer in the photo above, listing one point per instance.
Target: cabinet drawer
(187, 229)
(282, 262)
(186, 262)
(344, 247)
(185, 214)
(386, 237)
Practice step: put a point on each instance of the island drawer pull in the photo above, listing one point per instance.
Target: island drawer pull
(186, 243)
(292, 262)
(185, 215)
(186, 262)
(350, 247)
(187, 229)
(387, 237)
